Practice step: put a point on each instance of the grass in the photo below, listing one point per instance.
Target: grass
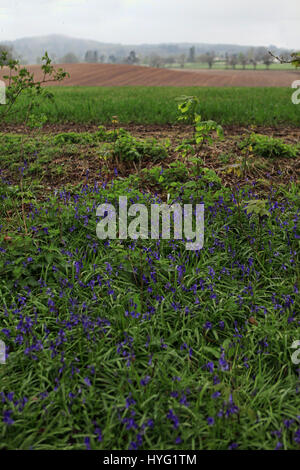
(144, 345)
(157, 105)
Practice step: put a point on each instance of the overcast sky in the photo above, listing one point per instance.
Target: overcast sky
(246, 22)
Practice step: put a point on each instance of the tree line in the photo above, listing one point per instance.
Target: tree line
(253, 57)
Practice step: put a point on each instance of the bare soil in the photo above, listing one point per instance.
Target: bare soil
(132, 75)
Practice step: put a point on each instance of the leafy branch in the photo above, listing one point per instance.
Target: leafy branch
(20, 80)
(294, 61)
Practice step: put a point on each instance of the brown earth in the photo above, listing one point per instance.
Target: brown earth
(129, 75)
(220, 156)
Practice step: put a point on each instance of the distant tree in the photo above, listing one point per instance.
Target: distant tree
(227, 60)
(69, 58)
(181, 60)
(192, 54)
(260, 53)
(233, 60)
(267, 60)
(169, 60)
(243, 60)
(156, 61)
(132, 58)
(102, 59)
(208, 58)
(251, 57)
(112, 59)
(91, 57)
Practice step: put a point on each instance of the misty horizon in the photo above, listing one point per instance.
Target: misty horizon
(187, 43)
(63, 48)
(138, 22)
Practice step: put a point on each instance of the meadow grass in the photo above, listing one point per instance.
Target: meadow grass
(157, 105)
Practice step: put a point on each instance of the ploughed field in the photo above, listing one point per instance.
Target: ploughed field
(123, 75)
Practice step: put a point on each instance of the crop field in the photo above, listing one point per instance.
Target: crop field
(140, 343)
(158, 106)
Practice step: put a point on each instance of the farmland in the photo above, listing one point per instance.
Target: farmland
(142, 344)
(242, 106)
(106, 75)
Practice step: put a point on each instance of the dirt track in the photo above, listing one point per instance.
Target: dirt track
(122, 75)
